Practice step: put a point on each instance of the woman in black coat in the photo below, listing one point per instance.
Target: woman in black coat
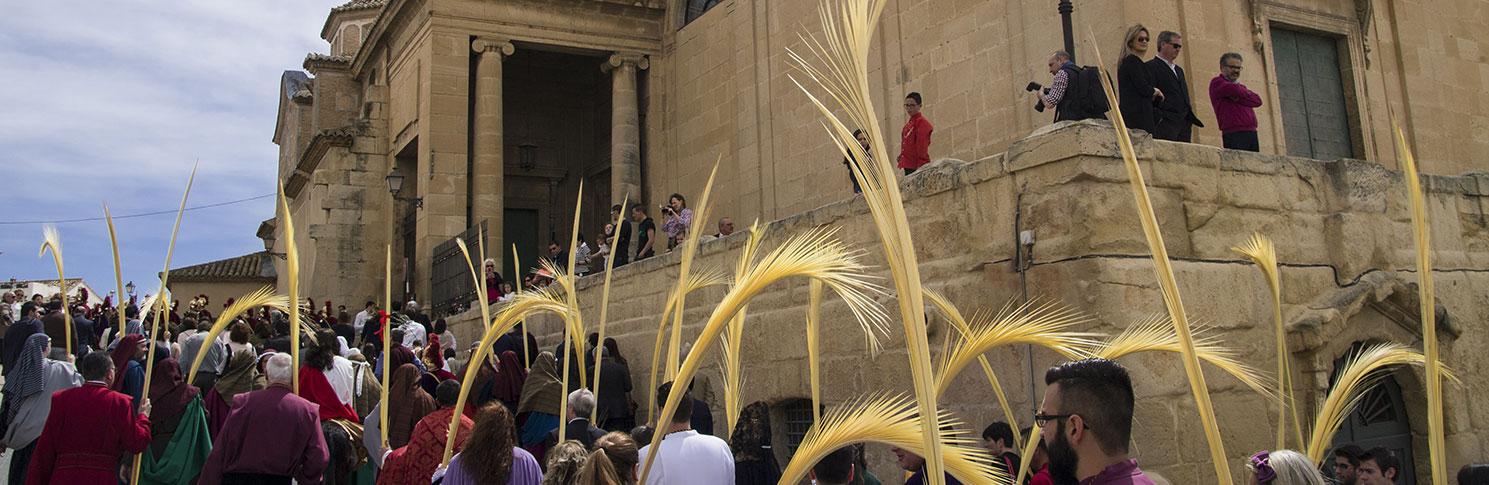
(1135, 86)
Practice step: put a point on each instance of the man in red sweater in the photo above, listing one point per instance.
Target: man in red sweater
(1235, 106)
(915, 137)
(89, 431)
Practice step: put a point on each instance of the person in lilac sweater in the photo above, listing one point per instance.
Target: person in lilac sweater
(491, 454)
(1235, 106)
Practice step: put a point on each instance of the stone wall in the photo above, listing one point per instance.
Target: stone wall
(1341, 229)
(723, 86)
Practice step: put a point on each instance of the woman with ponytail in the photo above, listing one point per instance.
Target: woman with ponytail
(612, 463)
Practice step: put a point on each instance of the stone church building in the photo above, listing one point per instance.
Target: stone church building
(488, 116)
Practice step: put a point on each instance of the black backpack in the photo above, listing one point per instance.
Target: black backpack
(1084, 98)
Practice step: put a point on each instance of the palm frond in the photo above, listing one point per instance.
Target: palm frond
(1043, 323)
(263, 297)
(118, 274)
(1422, 240)
(812, 254)
(891, 420)
(732, 337)
(958, 321)
(292, 267)
(1032, 444)
(52, 240)
(1170, 286)
(689, 251)
(605, 301)
(814, 345)
(837, 62)
(387, 334)
(1260, 250)
(1363, 371)
(1156, 333)
(695, 281)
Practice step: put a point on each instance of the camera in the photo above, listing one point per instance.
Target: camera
(1033, 86)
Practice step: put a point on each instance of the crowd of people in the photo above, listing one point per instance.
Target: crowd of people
(80, 418)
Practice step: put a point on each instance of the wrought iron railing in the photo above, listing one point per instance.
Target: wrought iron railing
(451, 288)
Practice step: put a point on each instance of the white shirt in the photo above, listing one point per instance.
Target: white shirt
(340, 377)
(688, 458)
(1171, 66)
(414, 332)
(361, 320)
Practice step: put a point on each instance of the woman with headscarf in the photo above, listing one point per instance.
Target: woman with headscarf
(434, 360)
(538, 409)
(407, 404)
(179, 442)
(28, 399)
(511, 377)
(417, 461)
(754, 462)
(241, 375)
(129, 373)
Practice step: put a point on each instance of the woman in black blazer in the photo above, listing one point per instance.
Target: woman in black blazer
(1135, 85)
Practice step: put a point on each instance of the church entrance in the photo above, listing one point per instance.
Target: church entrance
(556, 131)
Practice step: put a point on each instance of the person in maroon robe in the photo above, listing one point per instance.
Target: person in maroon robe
(271, 436)
(90, 430)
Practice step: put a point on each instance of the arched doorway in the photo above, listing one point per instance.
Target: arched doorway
(1380, 419)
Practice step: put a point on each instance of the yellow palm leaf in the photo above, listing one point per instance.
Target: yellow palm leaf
(696, 280)
(1364, 370)
(1422, 240)
(118, 274)
(1156, 333)
(1262, 252)
(689, 251)
(813, 254)
(890, 420)
(51, 240)
(1170, 286)
(837, 62)
(1043, 323)
(953, 315)
(605, 303)
(732, 337)
(292, 267)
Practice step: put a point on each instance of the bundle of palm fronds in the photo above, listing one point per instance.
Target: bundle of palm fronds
(1437, 447)
(891, 420)
(1156, 333)
(813, 254)
(837, 62)
(730, 340)
(1262, 252)
(1166, 281)
(1364, 370)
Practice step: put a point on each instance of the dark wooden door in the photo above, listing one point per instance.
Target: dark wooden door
(1315, 118)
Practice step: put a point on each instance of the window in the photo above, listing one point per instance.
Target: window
(695, 9)
(1316, 116)
(796, 420)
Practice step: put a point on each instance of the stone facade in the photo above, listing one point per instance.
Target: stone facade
(1343, 236)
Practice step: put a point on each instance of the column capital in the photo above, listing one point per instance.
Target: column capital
(493, 45)
(618, 59)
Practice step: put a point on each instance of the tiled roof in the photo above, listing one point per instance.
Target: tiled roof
(358, 5)
(248, 267)
(316, 60)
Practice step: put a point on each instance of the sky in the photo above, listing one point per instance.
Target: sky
(113, 102)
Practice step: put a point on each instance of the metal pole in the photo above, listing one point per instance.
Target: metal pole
(1065, 10)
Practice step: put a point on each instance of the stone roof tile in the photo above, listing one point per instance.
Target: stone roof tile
(248, 267)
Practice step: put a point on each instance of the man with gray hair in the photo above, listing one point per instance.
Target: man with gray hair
(1173, 114)
(581, 404)
(270, 436)
(1235, 106)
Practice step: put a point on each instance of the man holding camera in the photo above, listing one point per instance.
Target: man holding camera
(1064, 72)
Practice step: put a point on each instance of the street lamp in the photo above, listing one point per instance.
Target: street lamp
(1065, 10)
(395, 185)
(129, 288)
(269, 245)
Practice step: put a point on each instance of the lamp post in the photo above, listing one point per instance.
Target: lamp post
(395, 185)
(1065, 10)
(269, 246)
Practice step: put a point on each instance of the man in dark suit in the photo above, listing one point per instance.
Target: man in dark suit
(1174, 113)
(581, 404)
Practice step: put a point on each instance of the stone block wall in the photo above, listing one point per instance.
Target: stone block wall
(1341, 229)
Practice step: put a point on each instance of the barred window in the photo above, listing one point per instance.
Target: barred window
(696, 9)
(796, 419)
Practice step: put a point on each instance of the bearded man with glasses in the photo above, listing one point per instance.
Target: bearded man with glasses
(1086, 423)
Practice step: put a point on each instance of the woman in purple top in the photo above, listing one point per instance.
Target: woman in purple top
(678, 219)
(490, 455)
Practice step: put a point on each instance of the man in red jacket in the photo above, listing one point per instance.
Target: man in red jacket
(915, 137)
(89, 431)
(1235, 106)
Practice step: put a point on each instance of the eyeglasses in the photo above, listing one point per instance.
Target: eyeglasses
(1142, 39)
(1177, 46)
(1236, 67)
(1044, 419)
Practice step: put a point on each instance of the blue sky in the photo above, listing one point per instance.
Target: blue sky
(114, 101)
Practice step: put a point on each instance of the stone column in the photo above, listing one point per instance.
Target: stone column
(625, 125)
(487, 164)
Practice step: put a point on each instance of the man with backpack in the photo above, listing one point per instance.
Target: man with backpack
(1075, 91)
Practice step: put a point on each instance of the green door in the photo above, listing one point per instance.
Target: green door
(519, 227)
(1315, 118)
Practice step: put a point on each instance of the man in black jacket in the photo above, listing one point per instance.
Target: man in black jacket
(622, 250)
(1174, 113)
(581, 404)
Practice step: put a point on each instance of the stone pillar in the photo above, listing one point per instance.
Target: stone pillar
(625, 125)
(487, 145)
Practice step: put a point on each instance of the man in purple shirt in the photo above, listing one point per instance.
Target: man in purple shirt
(1086, 422)
(1235, 106)
(270, 437)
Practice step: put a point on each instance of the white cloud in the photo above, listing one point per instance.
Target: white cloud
(115, 101)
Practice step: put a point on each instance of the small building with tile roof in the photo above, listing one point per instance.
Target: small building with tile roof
(223, 279)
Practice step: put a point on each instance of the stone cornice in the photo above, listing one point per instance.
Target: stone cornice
(314, 152)
(315, 62)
